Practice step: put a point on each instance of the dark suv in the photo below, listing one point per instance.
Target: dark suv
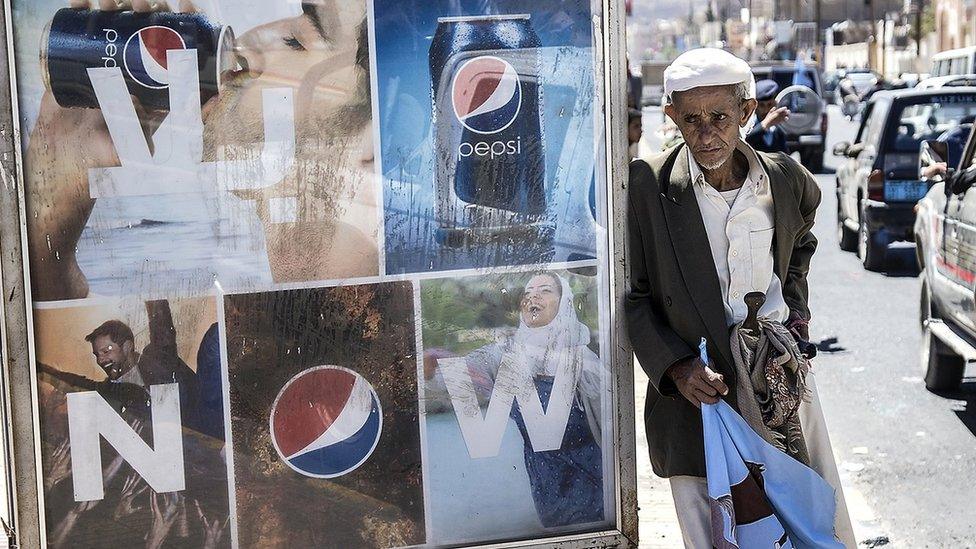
(809, 142)
(878, 186)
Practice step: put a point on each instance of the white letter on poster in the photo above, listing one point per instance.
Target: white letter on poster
(175, 165)
(483, 435)
(90, 417)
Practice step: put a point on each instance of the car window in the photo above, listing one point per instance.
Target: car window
(865, 116)
(785, 78)
(874, 125)
(958, 66)
(930, 118)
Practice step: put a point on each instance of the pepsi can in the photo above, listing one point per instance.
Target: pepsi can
(77, 40)
(488, 138)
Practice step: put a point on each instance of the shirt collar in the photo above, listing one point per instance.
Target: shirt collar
(757, 173)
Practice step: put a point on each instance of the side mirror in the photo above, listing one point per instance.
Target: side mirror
(841, 148)
(932, 161)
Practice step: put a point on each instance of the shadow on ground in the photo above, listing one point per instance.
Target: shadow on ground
(967, 394)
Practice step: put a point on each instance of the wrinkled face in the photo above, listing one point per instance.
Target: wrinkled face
(709, 119)
(540, 301)
(111, 356)
(319, 55)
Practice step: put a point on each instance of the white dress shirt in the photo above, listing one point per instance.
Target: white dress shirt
(739, 225)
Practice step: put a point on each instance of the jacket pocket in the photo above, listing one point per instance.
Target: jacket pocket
(760, 250)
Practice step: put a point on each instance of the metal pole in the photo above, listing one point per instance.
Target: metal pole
(18, 383)
(817, 15)
(919, 7)
(752, 38)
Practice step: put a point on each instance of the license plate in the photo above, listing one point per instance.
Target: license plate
(905, 191)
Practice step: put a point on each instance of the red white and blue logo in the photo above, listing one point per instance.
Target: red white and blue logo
(326, 421)
(145, 55)
(487, 94)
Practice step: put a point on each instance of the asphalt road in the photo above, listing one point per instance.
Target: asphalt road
(907, 456)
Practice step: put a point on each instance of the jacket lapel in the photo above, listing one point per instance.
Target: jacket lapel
(687, 230)
(786, 215)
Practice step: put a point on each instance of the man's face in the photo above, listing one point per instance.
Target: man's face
(709, 119)
(634, 130)
(111, 357)
(540, 301)
(314, 54)
(763, 108)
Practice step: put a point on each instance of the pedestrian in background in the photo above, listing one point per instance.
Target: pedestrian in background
(765, 134)
(711, 220)
(635, 130)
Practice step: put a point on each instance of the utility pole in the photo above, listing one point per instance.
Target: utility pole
(919, 8)
(752, 37)
(818, 43)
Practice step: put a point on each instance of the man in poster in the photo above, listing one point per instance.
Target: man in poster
(113, 346)
(711, 220)
(130, 511)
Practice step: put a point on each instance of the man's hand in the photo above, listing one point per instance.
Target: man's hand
(775, 117)
(935, 169)
(697, 382)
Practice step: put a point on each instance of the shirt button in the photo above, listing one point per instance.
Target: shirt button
(667, 300)
(735, 253)
(735, 294)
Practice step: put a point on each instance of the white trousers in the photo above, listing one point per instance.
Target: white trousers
(691, 493)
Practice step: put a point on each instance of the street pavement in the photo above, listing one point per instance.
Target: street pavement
(907, 457)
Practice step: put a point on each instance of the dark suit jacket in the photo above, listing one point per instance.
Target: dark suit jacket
(675, 300)
(755, 139)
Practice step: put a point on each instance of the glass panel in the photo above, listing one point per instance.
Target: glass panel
(946, 118)
(326, 273)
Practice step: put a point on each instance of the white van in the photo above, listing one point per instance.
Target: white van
(960, 61)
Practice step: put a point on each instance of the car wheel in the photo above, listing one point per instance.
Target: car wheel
(942, 367)
(845, 237)
(870, 249)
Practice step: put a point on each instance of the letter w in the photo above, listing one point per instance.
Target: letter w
(90, 417)
(483, 435)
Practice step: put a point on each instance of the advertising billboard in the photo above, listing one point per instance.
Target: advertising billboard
(320, 274)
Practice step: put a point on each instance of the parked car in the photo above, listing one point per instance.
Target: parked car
(945, 237)
(947, 81)
(878, 186)
(808, 141)
(860, 81)
(958, 61)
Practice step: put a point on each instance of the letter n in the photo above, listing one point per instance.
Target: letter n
(90, 417)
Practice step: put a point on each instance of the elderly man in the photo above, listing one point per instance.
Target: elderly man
(711, 220)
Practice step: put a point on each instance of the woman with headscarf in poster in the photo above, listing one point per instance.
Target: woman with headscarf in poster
(550, 349)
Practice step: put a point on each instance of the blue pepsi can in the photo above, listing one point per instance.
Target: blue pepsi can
(77, 40)
(488, 138)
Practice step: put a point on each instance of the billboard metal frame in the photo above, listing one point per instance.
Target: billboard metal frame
(20, 481)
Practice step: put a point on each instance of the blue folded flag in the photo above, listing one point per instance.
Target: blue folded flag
(759, 496)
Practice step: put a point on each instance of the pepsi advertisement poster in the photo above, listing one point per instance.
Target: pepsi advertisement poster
(132, 424)
(325, 428)
(517, 403)
(317, 273)
(487, 142)
(166, 152)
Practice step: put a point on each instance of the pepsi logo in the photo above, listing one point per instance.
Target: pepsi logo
(487, 94)
(145, 55)
(326, 421)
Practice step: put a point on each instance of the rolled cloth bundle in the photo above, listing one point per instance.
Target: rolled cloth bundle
(771, 384)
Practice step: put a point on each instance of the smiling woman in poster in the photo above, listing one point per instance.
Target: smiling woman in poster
(546, 379)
